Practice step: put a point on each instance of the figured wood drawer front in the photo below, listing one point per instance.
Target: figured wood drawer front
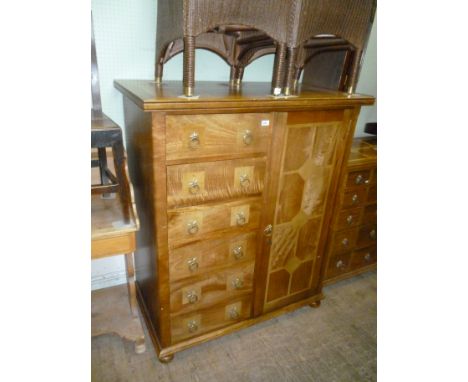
(196, 183)
(208, 221)
(363, 257)
(338, 265)
(189, 136)
(348, 218)
(210, 288)
(370, 214)
(344, 241)
(358, 178)
(206, 320)
(354, 198)
(199, 258)
(367, 235)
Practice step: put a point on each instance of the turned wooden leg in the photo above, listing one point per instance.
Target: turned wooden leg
(129, 262)
(315, 304)
(234, 77)
(189, 65)
(166, 359)
(291, 71)
(278, 69)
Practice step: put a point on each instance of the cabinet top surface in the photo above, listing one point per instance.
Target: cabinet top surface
(363, 151)
(209, 94)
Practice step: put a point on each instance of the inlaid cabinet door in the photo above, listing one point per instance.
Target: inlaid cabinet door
(302, 187)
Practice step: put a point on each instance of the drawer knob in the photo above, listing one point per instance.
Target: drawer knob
(237, 283)
(247, 137)
(268, 230)
(238, 252)
(194, 140)
(359, 179)
(192, 227)
(349, 219)
(244, 181)
(234, 313)
(192, 264)
(367, 257)
(192, 326)
(345, 241)
(373, 234)
(241, 220)
(194, 188)
(192, 297)
(354, 199)
(340, 264)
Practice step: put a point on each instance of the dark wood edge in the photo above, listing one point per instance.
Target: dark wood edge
(350, 274)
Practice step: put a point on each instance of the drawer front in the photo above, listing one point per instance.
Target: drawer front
(210, 288)
(372, 195)
(197, 183)
(206, 320)
(354, 198)
(186, 225)
(370, 214)
(367, 235)
(189, 136)
(348, 218)
(358, 178)
(338, 265)
(344, 241)
(364, 257)
(199, 258)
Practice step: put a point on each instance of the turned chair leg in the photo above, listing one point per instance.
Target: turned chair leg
(291, 71)
(189, 65)
(278, 69)
(129, 262)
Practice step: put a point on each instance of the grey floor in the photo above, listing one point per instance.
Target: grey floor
(336, 342)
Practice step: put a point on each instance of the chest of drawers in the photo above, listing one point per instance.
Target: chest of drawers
(352, 248)
(235, 193)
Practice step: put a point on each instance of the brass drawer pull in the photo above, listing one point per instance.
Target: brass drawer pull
(345, 242)
(350, 219)
(192, 297)
(367, 257)
(194, 140)
(192, 264)
(244, 181)
(354, 199)
(373, 234)
(340, 264)
(268, 230)
(241, 220)
(247, 137)
(192, 326)
(237, 283)
(234, 313)
(238, 252)
(194, 188)
(192, 227)
(359, 179)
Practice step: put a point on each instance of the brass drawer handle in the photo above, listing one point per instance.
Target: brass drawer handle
(350, 219)
(354, 199)
(192, 326)
(234, 313)
(247, 137)
(244, 181)
(359, 179)
(194, 140)
(192, 264)
(237, 283)
(340, 264)
(192, 227)
(367, 257)
(345, 242)
(238, 252)
(194, 188)
(268, 230)
(373, 234)
(192, 297)
(241, 220)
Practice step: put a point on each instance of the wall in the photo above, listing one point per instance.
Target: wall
(125, 34)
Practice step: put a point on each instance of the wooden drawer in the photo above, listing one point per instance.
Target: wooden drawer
(208, 221)
(196, 183)
(348, 218)
(344, 241)
(338, 265)
(367, 235)
(363, 257)
(354, 198)
(358, 178)
(210, 288)
(208, 135)
(198, 258)
(372, 195)
(370, 214)
(206, 320)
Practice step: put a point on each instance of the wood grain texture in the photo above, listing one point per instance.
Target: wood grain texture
(110, 246)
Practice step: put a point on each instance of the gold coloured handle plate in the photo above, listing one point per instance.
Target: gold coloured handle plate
(192, 326)
(237, 283)
(241, 220)
(192, 264)
(238, 252)
(194, 188)
(247, 137)
(192, 297)
(192, 227)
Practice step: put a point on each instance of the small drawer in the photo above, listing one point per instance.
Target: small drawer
(338, 265)
(367, 235)
(208, 135)
(198, 258)
(370, 214)
(190, 224)
(358, 178)
(372, 194)
(205, 320)
(344, 241)
(363, 257)
(210, 288)
(348, 218)
(196, 183)
(354, 198)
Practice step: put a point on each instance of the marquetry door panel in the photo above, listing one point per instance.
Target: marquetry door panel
(308, 166)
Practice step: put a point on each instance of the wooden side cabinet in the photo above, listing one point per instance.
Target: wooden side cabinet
(352, 248)
(235, 192)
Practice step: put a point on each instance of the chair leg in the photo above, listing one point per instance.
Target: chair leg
(189, 65)
(124, 188)
(291, 71)
(278, 69)
(234, 79)
(129, 262)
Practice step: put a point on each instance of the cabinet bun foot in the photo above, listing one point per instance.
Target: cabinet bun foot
(166, 359)
(315, 304)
